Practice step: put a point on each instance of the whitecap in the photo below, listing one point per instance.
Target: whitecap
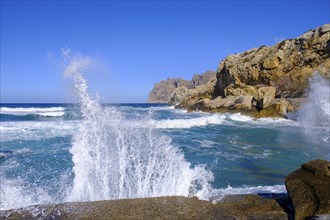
(240, 118)
(20, 111)
(251, 190)
(31, 130)
(190, 122)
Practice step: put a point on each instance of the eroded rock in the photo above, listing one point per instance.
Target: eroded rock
(309, 189)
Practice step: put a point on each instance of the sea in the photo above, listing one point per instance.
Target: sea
(88, 150)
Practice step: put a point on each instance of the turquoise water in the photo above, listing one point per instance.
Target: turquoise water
(244, 155)
(53, 153)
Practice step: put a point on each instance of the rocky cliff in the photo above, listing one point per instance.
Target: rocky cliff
(164, 90)
(264, 81)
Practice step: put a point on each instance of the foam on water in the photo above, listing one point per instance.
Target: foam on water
(252, 190)
(243, 120)
(162, 108)
(191, 122)
(48, 112)
(15, 194)
(205, 119)
(240, 118)
(32, 130)
(113, 161)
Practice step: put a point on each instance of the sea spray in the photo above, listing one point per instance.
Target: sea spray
(314, 116)
(113, 159)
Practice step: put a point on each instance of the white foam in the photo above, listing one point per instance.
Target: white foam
(50, 112)
(275, 122)
(32, 130)
(251, 190)
(239, 117)
(14, 194)
(162, 107)
(191, 122)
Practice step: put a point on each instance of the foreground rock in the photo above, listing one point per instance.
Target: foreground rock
(175, 207)
(262, 82)
(309, 189)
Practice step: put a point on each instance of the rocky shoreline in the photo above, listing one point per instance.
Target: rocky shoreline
(268, 81)
(308, 197)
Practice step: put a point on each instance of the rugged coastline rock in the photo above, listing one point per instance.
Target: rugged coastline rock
(285, 66)
(274, 76)
(164, 90)
(172, 207)
(309, 189)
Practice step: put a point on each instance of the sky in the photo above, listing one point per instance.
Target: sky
(135, 43)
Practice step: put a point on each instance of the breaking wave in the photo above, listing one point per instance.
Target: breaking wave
(46, 112)
(114, 161)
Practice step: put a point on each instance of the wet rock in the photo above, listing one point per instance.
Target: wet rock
(248, 207)
(276, 108)
(309, 189)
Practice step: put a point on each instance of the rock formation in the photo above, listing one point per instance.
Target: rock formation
(175, 207)
(164, 90)
(262, 82)
(309, 189)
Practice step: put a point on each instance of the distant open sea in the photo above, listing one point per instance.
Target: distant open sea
(65, 152)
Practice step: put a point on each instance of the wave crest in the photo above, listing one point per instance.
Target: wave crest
(46, 112)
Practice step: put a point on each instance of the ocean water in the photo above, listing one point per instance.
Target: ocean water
(89, 151)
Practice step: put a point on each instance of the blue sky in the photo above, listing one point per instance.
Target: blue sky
(135, 43)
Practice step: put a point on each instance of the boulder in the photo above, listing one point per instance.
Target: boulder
(266, 96)
(238, 90)
(188, 97)
(243, 102)
(309, 189)
(277, 108)
(223, 102)
(246, 207)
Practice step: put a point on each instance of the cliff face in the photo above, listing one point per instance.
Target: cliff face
(286, 66)
(164, 90)
(265, 81)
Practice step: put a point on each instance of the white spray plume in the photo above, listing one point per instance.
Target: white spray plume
(114, 159)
